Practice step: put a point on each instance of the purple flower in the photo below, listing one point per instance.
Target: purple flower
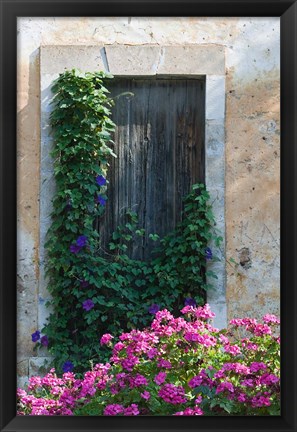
(208, 253)
(84, 283)
(67, 366)
(68, 205)
(88, 305)
(81, 241)
(189, 301)
(101, 180)
(44, 341)
(74, 248)
(153, 309)
(101, 200)
(35, 336)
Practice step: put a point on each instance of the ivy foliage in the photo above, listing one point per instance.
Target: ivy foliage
(94, 291)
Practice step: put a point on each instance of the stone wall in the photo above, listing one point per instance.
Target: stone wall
(252, 148)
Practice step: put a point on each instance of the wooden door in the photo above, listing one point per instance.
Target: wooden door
(159, 141)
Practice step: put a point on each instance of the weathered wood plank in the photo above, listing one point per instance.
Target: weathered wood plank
(159, 141)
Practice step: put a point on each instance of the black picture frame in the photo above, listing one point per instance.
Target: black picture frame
(287, 11)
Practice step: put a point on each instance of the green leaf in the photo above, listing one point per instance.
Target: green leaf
(154, 237)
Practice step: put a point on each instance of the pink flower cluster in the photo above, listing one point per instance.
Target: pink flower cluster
(41, 406)
(117, 409)
(105, 339)
(178, 366)
(160, 378)
(260, 401)
(236, 367)
(162, 363)
(257, 366)
(202, 313)
(190, 412)
(201, 379)
(172, 394)
(225, 386)
(62, 393)
(203, 339)
(258, 329)
(271, 319)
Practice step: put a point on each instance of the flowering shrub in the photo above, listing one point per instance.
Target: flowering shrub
(177, 366)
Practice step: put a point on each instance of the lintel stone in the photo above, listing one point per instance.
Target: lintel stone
(192, 60)
(167, 60)
(133, 60)
(56, 59)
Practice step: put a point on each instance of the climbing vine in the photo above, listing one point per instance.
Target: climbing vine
(94, 291)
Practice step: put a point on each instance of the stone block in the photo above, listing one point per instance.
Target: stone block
(46, 94)
(218, 251)
(22, 382)
(39, 365)
(42, 291)
(218, 267)
(56, 59)
(47, 190)
(46, 161)
(44, 226)
(214, 171)
(25, 254)
(23, 368)
(133, 60)
(45, 128)
(216, 294)
(220, 226)
(192, 60)
(215, 97)
(215, 138)
(217, 194)
(43, 311)
(27, 286)
(220, 309)
(217, 200)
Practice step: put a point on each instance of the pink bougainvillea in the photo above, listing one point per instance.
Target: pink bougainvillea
(177, 366)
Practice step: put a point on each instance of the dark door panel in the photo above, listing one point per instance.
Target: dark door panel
(159, 141)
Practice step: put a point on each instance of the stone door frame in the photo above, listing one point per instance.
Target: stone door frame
(190, 61)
